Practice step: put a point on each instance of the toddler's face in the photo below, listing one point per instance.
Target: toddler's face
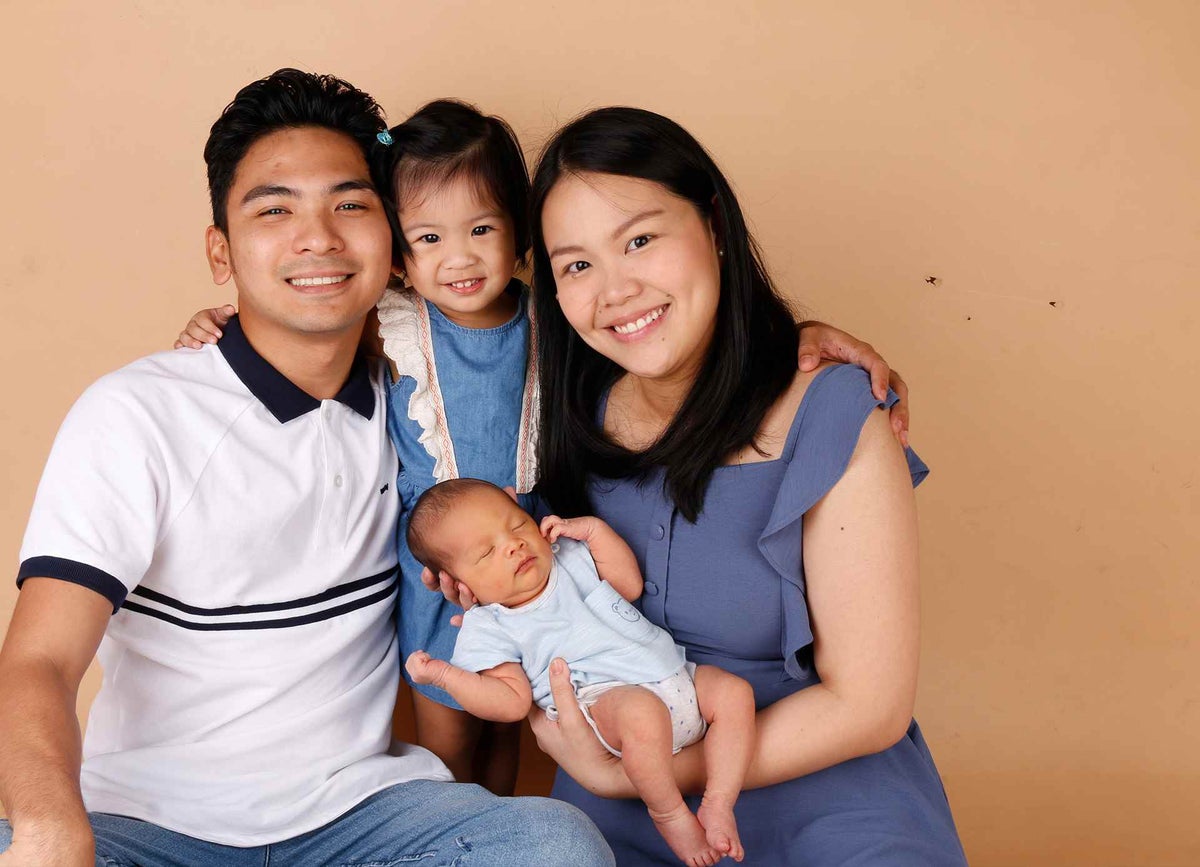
(463, 253)
(495, 548)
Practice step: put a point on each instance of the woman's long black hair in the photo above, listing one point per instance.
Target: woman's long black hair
(752, 359)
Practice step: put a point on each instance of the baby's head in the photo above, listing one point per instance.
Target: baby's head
(458, 192)
(478, 534)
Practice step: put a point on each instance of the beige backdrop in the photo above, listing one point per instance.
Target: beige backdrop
(1039, 159)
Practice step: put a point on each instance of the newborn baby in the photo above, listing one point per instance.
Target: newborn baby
(564, 590)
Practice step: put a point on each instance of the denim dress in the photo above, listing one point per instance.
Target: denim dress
(463, 405)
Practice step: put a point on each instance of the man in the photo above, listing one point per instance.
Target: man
(220, 527)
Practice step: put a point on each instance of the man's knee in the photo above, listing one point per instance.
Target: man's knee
(559, 833)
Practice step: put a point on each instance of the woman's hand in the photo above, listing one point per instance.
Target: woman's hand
(573, 745)
(205, 327)
(818, 340)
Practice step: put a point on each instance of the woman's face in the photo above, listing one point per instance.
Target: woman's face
(636, 270)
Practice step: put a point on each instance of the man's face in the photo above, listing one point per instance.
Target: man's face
(308, 243)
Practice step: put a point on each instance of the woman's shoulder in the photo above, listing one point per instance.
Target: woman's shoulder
(830, 404)
(827, 383)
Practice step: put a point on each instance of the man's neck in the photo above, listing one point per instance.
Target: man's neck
(317, 363)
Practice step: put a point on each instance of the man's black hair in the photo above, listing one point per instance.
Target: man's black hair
(285, 99)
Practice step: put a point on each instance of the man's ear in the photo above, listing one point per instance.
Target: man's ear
(216, 248)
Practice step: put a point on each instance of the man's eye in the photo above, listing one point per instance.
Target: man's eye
(576, 267)
(638, 242)
(481, 230)
(271, 212)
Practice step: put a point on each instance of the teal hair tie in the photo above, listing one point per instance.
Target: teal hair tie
(385, 138)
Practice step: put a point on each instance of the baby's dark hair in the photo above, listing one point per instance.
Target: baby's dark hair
(431, 507)
(446, 140)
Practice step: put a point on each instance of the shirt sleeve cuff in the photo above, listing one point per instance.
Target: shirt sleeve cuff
(74, 572)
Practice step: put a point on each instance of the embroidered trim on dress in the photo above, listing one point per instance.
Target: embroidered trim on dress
(408, 342)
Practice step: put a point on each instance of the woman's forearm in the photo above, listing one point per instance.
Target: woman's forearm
(799, 735)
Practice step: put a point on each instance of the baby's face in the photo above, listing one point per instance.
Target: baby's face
(495, 548)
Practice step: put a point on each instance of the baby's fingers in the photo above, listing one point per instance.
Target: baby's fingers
(552, 527)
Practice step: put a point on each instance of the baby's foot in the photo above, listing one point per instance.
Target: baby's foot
(720, 827)
(685, 835)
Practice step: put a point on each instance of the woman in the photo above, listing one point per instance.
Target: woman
(771, 511)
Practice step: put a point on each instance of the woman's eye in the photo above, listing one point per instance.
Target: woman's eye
(351, 206)
(481, 230)
(638, 242)
(576, 267)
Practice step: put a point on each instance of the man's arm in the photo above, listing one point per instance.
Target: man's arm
(55, 630)
(500, 694)
(615, 561)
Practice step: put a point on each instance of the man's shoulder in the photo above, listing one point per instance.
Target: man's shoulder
(164, 389)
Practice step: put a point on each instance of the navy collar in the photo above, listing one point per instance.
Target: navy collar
(285, 399)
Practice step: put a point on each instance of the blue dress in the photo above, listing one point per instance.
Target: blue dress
(461, 406)
(731, 590)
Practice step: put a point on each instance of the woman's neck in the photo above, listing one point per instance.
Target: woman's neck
(640, 409)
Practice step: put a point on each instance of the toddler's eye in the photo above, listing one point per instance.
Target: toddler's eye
(638, 242)
(576, 267)
(429, 239)
(481, 230)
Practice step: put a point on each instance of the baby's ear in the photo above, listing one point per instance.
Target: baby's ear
(511, 491)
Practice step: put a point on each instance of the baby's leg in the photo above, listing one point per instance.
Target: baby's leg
(636, 722)
(452, 735)
(727, 705)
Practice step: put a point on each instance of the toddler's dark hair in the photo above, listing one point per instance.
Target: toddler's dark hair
(446, 140)
(431, 507)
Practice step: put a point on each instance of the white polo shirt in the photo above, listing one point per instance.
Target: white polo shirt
(244, 533)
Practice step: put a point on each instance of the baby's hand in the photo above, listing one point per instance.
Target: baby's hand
(205, 327)
(423, 668)
(580, 529)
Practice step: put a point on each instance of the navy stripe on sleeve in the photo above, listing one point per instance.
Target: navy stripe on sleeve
(74, 572)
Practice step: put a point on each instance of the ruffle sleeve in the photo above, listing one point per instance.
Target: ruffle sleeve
(825, 433)
(404, 328)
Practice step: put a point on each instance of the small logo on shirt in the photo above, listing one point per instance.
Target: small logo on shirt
(626, 611)
(383, 490)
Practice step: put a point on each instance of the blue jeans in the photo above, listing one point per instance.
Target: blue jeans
(427, 823)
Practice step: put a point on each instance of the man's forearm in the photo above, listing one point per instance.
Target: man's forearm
(40, 751)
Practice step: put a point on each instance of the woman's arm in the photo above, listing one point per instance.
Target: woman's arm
(860, 558)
